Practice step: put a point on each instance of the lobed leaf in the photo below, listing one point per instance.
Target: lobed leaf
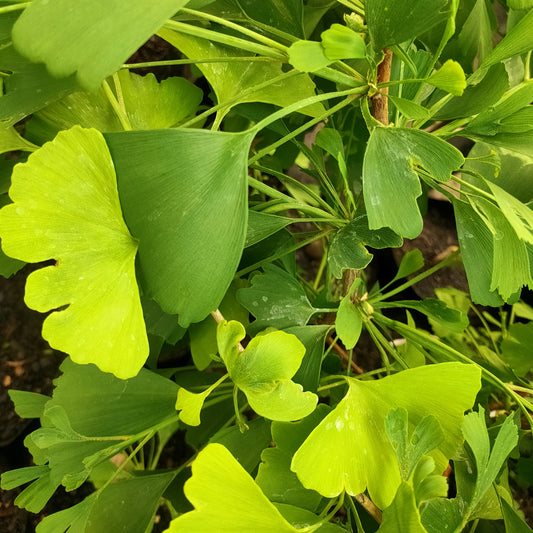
(226, 499)
(390, 183)
(349, 449)
(66, 208)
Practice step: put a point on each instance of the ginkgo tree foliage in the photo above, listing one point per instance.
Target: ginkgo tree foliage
(170, 214)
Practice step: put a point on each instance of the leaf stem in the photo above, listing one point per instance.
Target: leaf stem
(123, 118)
(228, 40)
(241, 29)
(173, 62)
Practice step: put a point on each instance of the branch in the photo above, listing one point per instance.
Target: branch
(380, 104)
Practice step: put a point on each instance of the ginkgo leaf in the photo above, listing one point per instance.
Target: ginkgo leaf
(263, 371)
(390, 182)
(190, 405)
(349, 450)
(66, 208)
(450, 77)
(226, 498)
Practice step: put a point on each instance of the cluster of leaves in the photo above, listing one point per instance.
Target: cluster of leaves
(165, 234)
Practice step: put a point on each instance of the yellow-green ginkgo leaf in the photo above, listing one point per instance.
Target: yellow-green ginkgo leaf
(226, 499)
(66, 207)
(349, 450)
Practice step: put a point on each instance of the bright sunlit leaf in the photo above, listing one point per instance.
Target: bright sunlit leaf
(226, 498)
(349, 450)
(308, 56)
(450, 78)
(66, 208)
(263, 371)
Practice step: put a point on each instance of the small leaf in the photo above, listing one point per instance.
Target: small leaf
(226, 499)
(349, 322)
(410, 109)
(263, 225)
(308, 56)
(341, 42)
(98, 45)
(488, 462)
(349, 449)
(229, 335)
(412, 262)
(66, 207)
(190, 405)
(450, 78)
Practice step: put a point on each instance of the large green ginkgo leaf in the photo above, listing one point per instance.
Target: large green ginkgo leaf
(390, 182)
(101, 34)
(349, 450)
(184, 196)
(226, 498)
(66, 208)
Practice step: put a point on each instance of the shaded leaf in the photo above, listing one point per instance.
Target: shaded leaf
(450, 78)
(29, 88)
(400, 20)
(347, 248)
(412, 262)
(402, 515)
(205, 200)
(274, 476)
(512, 521)
(231, 79)
(66, 207)
(409, 109)
(349, 449)
(302, 518)
(488, 461)
(262, 225)
(349, 322)
(149, 104)
(390, 183)
(28, 404)
(477, 252)
(225, 498)
(276, 299)
(516, 348)
(98, 45)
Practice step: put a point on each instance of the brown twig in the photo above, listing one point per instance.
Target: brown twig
(380, 105)
(219, 317)
(370, 507)
(345, 356)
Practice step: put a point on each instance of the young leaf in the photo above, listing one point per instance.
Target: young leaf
(276, 299)
(341, 42)
(98, 45)
(450, 78)
(205, 212)
(349, 449)
(308, 56)
(190, 405)
(66, 207)
(226, 499)
(412, 262)
(263, 371)
(393, 22)
(409, 109)
(488, 462)
(349, 322)
(390, 183)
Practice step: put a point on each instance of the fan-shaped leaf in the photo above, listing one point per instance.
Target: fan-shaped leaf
(349, 449)
(100, 34)
(226, 498)
(66, 207)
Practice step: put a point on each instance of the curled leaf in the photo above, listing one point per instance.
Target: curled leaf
(66, 208)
